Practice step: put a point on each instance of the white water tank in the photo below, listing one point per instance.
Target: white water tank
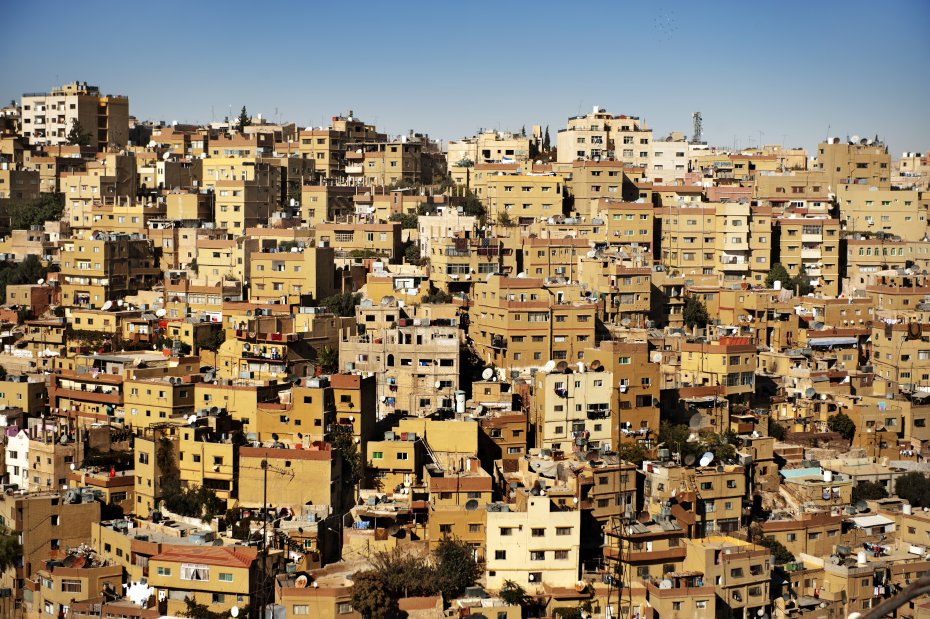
(860, 558)
(776, 285)
(460, 401)
(828, 476)
(906, 508)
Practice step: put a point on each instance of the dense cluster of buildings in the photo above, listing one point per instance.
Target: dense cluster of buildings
(616, 365)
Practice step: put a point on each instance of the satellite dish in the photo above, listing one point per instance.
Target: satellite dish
(192, 420)
(810, 392)
(625, 322)
(835, 559)
(234, 612)
(161, 312)
(521, 275)
(437, 384)
(689, 459)
(707, 458)
(301, 581)
(861, 506)
(107, 305)
(665, 584)
(41, 281)
(854, 138)
(561, 366)
(119, 303)
(550, 365)
(826, 494)
(471, 505)
(487, 374)
(696, 422)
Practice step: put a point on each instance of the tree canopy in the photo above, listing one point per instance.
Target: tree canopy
(695, 313)
(781, 553)
(342, 304)
(778, 273)
(914, 487)
(24, 214)
(449, 570)
(869, 491)
(29, 271)
(408, 221)
(842, 424)
(243, 121)
(76, 134)
(10, 549)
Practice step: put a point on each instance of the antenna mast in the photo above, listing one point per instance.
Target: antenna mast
(698, 128)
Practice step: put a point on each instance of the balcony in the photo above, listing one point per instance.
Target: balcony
(498, 341)
(353, 169)
(810, 252)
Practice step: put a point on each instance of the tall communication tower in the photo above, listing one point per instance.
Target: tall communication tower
(698, 128)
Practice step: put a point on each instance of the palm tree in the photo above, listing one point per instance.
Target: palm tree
(328, 359)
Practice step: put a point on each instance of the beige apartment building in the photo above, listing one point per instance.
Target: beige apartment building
(524, 198)
(588, 181)
(47, 117)
(16, 184)
(414, 355)
(729, 363)
(571, 410)
(865, 162)
(533, 544)
(523, 323)
(709, 500)
(688, 239)
(869, 210)
(811, 244)
(599, 135)
(489, 147)
(327, 148)
(299, 276)
(106, 268)
(743, 242)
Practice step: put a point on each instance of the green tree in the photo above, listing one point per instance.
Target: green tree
(342, 304)
(343, 443)
(473, 206)
(243, 121)
(371, 598)
(29, 271)
(547, 144)
(632, 452)
(455, 567)
(513, 594)
(437, 296)
(868, 491)
(779, 551)
(328, 359)
(801, 283)
(408, 221)
(412, 253)
(193, 502)
(35, 212)
(695, 313)
(675, 438)
(76, 134)
(11, 551)
(778, 273)
(913, 487)
(196, 610)
(776, 430)
(842, 424)
(210, 339)
(504, 219)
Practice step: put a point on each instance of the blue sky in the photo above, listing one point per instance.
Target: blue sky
(788, 69)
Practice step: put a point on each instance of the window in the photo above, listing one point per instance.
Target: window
(537, 555)
(500, 555)
(474, 528)
(445, 528)
(505, 531)
(226, 577)
(700, 604)
(344, 608)
(561, 555)
(538, 532)
(164, 571)
(563, 530)
(300, 609)
(377, 455)
(195, 571)
(69, 585)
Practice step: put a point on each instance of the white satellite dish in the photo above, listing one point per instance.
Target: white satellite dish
(41, 281)
(107, 305)
(119, 303)
(706, 459)
(160, 312)
(234, 611)
(665, 584)
(139, 593)
(487, 374)
(192, 419)
(550, 365)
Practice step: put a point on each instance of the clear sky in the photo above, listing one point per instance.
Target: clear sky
(789, 69)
